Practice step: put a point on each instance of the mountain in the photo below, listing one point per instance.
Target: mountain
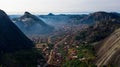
(108, 52)
(16, 50)
(104, 25)
(99, 16)
(11, 38)
(51, 14)
(31, 24)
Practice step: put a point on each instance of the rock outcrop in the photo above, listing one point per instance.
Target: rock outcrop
(108, 53)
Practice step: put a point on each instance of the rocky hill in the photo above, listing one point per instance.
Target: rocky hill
(108, 52)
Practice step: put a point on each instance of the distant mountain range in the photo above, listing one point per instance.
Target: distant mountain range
(80, 19)
(99, 16)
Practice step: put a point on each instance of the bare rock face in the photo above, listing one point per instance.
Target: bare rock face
(11, 38)
(108, 52)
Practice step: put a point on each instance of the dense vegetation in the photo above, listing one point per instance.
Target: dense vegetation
(85, 56)
(23, 58)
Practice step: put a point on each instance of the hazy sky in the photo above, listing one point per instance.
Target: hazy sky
(59, 5)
